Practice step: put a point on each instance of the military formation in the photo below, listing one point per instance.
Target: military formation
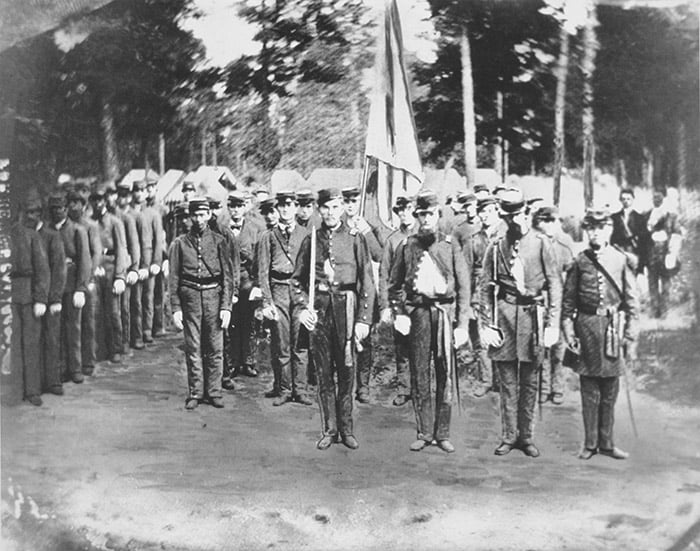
(100, 271)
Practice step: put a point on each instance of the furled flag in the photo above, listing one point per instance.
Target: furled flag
(392, 159)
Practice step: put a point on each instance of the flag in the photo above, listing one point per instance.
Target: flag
(392, 158)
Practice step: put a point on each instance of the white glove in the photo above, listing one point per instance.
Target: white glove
(308, 319)
(255, 294)
(91, 287)
(132, 277)
(670, 261)
(461, 336)
(225, 317)
(155, 269)
(55, 308)
(100, 271)
(491, 337)
(551, 336)
(234, 300)
(402, 324)
(361, 332)
(39, 309)
(362, 225)
(143, 274)
(118, 287)
(270, 313)
(78, 299)
(387, 316)
(166, 268)
(177, 320)
(659, 236)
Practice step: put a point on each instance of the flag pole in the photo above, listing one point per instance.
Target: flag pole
(363, 185)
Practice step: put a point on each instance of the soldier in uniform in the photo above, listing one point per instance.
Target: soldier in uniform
(31, 278)
(201, 279)
(599, 287)
(268, 211)
(430, 288)
(356, 223)
(188, 191)
(112, 283)
(277, 253)
(241, 337)
(403, 209)
(517, 324)
(340, 314)
(160, 280)
(306, 213)
(78, 272)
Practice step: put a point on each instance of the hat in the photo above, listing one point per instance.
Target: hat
(267, 205)
(198, 203)
(236, 198)
(479, 188)
(75, 196)
(401, 203)
(64, 179)
(328, 194)
(139, 185)
(259, 190)
(99, 191)
(512, 201)
(597, 216)
(180, 210)
(188, 186)
(352, 191)
(32, 202)
(284, 196)
(546, 214)
(305, 196)
(465, 197)
(214, 203)
(124, 187)
(57, 200)
(485, 200)
(426, 200)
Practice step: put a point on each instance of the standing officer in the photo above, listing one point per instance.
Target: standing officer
(31, 278)
(357, 224)
(599, 286)
(201, 282)
(306, 213)
(277, 254)
(112, 283)
(430, 288)
(403, 209)
(341, 312)
(516, 324)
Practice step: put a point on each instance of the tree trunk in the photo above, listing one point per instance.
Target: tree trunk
(621, 173)
(468, 109)
(161, 153)
(110, 153)
(559, 112)
(681, 155)
(590, 46)
(648, 168)
(214, 152)
(498, 146)
(204, 147)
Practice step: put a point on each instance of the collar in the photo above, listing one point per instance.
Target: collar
(60, 224)
(39, 225)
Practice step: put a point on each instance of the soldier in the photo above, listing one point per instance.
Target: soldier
(188, 191)
(112, 283)
(253, 204)
(430, 280)
(516, 323)
(78, 272)
(201, 280)
(241, 337)
(599, 286)
(161, 278)
(629, 229)
(340, 313)
(546, 220)
(269, 213)
(277, 253)
(356, 223)
(306, 213)
(31, 278)
(403, 209)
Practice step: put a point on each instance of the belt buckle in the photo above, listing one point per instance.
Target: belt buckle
(323, 287)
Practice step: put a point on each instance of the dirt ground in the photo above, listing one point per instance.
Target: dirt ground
(117, 463)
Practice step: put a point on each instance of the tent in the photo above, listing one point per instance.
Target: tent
(172, 179)
(334, 177)
(283, 180)
(138, 175)
(209, 181)
(444, 182)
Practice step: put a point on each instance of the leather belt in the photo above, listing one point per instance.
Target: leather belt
(422, 300)
(599, 311)
(108, 252)
(324, 287)
(281, 276)
(213, 280)
(517, 298)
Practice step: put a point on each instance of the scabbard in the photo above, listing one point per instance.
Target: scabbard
(445, 337)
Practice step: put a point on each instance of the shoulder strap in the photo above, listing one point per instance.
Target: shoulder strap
(589, 254)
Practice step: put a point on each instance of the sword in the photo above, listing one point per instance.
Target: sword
(628, 355)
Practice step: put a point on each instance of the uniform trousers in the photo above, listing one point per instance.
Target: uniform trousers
(553, 371)
(159, 304)
(137, 313)
(25, 353)
(487, 371)
(50, 345)
(659, 290)
(364, 364)
(147, 301)
(241, 336)
(332, 353)
(109, 316)
(71, 348)
(87, 328)
(598, 397)
(125, 307)
(204, 341)
(403, 370)
(433, 421)
(288, 362)
(518, 387)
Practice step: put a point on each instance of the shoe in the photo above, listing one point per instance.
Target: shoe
(160, 334)
(615, 453)
(302, 399)
(273, 393)
(586, 454)
(401, 399)
(557, 398)
(544, 398)
(56, 389)
(88, 371)
(363, 397)
(282, 399)
(35, 400)
(191, 403)
(418, 445)
(249, 371)
(216, 402)
(503, 449)
(116, 358)
(482, 391)
(350, 441)
(138, 345)
(77, 377)
(148, 340)
(227, 384)
(325, 442)
(445, 445)
(530, 450)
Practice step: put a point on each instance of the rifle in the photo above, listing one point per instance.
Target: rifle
(494, 291)
(312, 270)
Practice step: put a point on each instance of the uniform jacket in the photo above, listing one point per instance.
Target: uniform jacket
(133, 243)
(345, 251)
(30, 274)
(195, 257)
(391, 246)
(447, 256)
(53, 245)
(277, 257)
(248, 238)
(113, 238)
(78, 261)
(94, 242)
(564, 250)
(151, 237)
(234, 254)
(517, 316)
(315, 220)
(372, 236)
(588, 301)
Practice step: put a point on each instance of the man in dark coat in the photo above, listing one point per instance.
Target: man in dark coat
(517, 324)
(307, 216)
(430, 289)
(599, 287)
(629, 231)
(340, 314)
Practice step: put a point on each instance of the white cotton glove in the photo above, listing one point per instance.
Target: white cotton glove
(154, 270)
(551, 336)
(387, 316)
(461, 336)
(670, 261)
(143, 274)
(78, 299)
(166, 268)
(402, 324)
(132, 277)
(490, 337)
(100, 272)
(39, 309)
(361, 333)
(234, 300)
(55, 308)
(225, 317)
(177, 320)
(255, 294)
(308, 319)
(118, 287)
(91, 287)
(362, 225)
(270, 313)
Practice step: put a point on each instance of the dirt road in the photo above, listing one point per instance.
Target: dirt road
(117, 463)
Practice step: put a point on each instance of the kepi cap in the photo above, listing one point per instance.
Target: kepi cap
(267, 205)
(284, 196)
(305, 196)
(328, 194)
(198, 204)
(401, 203)
(349, 192)
(236, 198)
(57, 200)
(427, 200)
(597, 216)
(512, 201)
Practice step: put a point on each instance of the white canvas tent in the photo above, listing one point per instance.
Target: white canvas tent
(209, 181)
(283, 180)
(171, 180)
(334, 177)
(139, 175)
